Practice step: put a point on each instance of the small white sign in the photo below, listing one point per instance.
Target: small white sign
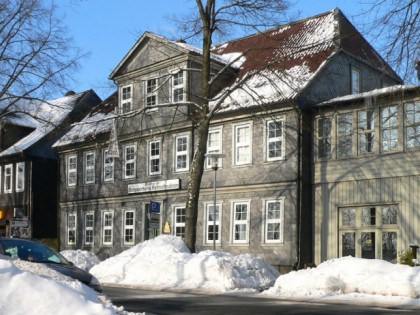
(154, 186)
(154, 225)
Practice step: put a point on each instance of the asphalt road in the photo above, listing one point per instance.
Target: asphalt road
(161, 303)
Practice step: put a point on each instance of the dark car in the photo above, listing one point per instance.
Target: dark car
(37, 252)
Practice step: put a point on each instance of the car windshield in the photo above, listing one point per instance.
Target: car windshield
(31, 251)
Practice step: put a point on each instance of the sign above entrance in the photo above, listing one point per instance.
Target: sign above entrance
(154, 186)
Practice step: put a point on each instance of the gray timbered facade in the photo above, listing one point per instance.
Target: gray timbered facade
(133, 153)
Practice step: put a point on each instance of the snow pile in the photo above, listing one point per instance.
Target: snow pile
(166, 262)
(25, 292)
(81, 258)
(349, 275)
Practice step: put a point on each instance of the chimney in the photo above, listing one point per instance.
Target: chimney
(70, 93)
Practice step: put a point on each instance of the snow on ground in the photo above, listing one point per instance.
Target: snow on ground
(352, 279)
(32, 289)
(166, 263)
(81, 258)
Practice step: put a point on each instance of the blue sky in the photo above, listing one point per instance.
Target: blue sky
(107, 29)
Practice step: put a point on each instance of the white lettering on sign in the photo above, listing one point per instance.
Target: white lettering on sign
(154, 186)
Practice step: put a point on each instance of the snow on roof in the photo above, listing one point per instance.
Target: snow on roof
(98, 122)
(370, 94)
(43, 116)
(281, 61)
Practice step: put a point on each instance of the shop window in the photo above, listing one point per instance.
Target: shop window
(369, 232)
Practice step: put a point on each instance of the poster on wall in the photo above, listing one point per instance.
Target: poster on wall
(20, 229)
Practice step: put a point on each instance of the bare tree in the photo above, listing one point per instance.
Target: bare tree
(397, 23)
(36, 56)
(209, 19)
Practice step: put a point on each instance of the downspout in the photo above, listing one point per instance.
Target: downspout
(299, 189)
(30, 201)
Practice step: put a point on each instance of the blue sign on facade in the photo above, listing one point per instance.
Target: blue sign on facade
(154, 207)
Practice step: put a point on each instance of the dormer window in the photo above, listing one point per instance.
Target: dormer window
(178, 87)
(126, 100)
(355, 81)
(151, 92)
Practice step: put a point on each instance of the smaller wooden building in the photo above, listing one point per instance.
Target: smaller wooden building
(29, 166)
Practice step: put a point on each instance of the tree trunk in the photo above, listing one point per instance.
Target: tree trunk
(191, 211)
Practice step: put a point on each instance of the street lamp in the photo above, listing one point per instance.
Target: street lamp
(214, 165)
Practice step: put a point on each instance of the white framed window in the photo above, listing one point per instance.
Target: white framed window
(178, 87)
(344, 135)
(179, 221)
(275, 144)
(412, 125)
(242, 144)
(108, 167)
(89, 161)
(181, 153)
(129, 165)
(273, 221)
(355, 81)
(324, 137)
(20, 176)
(126, 98)
(366, 131)
(369, 231)
(129, 227)
(71, 229)
(8, 178)
(212, 221)
(151, 95)
(240, 222)
(214, 145)
(71, 170)
(154, 157)
(389, 125)
(107, 227)
(89, 226)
